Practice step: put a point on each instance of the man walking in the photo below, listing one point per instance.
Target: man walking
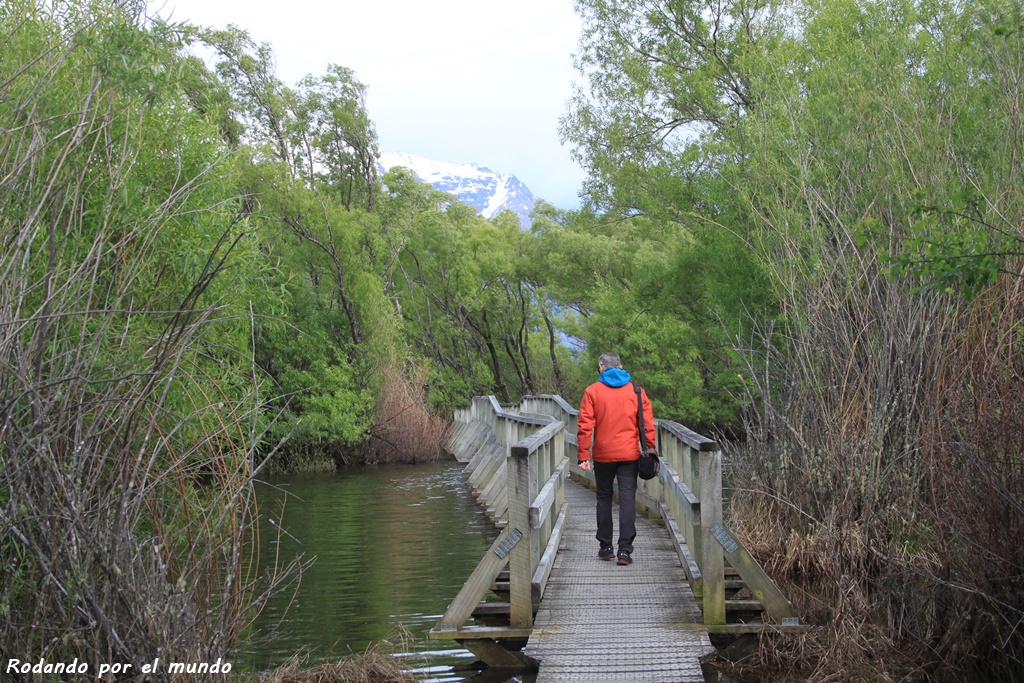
(607, 420)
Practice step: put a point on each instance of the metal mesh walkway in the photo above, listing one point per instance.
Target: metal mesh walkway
(603, 623)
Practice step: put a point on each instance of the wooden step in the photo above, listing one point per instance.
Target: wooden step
(492, 609)
(492, 614)
(745, 606)
(741, 605)
(756, 627)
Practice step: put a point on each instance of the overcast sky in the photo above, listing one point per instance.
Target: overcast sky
(465, 81)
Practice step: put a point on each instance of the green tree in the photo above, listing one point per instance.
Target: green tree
(664, 242)
(261, 102)
(337, 136)
(313, 349)
(861, 161)
(308, 164)
(129, 281)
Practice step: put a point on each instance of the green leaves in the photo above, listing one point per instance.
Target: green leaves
(130, 279)
(952, 250)
(337, 140)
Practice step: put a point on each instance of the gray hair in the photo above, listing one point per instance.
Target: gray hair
(610, 360)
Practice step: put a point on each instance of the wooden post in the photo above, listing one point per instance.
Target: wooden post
(760, 584)
(509, 431)
(520, 563)
(560, 491)
(691, 469)
(537, 479)
(712, 560)
(551, 460)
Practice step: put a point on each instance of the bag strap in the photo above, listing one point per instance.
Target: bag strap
(640, 416)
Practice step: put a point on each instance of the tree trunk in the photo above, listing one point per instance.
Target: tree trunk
(559, 379)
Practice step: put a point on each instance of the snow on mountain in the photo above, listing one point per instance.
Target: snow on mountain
(488, 192)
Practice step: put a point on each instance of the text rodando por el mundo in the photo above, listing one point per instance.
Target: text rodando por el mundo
(75, 667)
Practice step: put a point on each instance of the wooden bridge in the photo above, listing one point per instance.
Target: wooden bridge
(541, 599)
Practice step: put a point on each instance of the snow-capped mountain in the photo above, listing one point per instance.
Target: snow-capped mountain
(489, 192)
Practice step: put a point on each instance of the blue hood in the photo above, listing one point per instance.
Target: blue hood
(614, 377)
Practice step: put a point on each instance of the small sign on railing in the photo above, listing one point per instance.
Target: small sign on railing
(725, 538)
(505, 547)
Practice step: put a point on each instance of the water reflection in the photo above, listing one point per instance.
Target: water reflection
(393, 545)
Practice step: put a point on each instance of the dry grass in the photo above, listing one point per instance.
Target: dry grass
(914, 520)
(848, 645)
(974, 450)
(886, 461)
(406, 430)
(369, 667)
(886, 423)
(376, 664)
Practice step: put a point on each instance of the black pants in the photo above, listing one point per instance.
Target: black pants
(606, 473)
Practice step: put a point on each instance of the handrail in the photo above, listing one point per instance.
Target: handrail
(688, 492)
(536, 492)
(519, 474)
(687, 436)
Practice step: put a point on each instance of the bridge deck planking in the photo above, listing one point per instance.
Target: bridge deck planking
(599, 622)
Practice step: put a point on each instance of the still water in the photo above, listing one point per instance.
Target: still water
(393, 545)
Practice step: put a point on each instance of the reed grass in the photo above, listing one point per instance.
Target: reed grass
(127, 440)
(376, 664)
(886, 464)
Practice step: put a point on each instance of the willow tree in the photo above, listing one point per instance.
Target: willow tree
(129, 278)
(864, 158)
(667, 85)
(338, 141)
(460, 284)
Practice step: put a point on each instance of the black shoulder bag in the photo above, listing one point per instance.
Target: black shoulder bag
(650, 463)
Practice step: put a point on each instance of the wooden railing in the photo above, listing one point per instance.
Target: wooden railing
(519, 460)
(518, 471)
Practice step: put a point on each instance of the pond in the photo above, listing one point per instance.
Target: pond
(393, 546)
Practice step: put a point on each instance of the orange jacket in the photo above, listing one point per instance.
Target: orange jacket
(608, 420)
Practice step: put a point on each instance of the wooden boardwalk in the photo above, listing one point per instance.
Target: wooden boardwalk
(580, 618)
(603, 623)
